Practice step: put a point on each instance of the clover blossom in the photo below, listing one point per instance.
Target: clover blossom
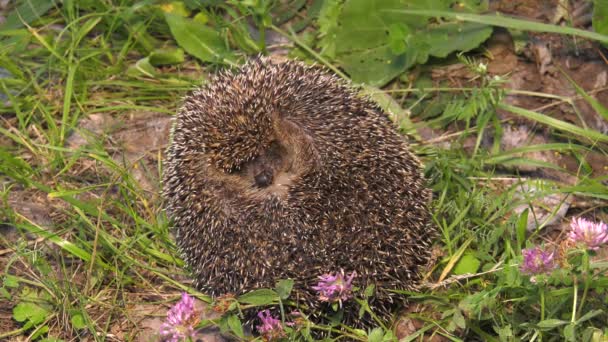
(588, 233)
(537, 261)
(181, 319)
(271, 328)
(335, 288)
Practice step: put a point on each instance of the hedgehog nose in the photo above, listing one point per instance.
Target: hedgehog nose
(263, 179)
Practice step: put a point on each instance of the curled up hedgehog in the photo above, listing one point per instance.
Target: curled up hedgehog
(281, 170)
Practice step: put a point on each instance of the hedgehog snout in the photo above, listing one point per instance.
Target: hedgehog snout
(264, 178)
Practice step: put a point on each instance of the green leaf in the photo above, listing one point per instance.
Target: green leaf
(397, 33)
(39, 332)
(600, 17)
(176, 8)
(522, 227)
(10, 281)
(142, 68)
(78, 321)
(166, 56)
(391, 41)
(449, 37)
(28, 311)
(284, 288)
(468, 263)
(328, 26)
(375, 335)
(369, 290)
(551, 323)
(570, 332)
(27, 12)
(198, 40)
(234, 323)
(259, 297)
(589, 315)
(505, 21)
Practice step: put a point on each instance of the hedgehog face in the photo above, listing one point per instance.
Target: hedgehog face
(268, 168)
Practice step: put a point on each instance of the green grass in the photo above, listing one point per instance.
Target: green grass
(102, 258)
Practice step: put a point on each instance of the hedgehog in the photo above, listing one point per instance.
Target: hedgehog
(280, 170)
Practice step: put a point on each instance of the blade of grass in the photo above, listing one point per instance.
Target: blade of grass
(595, 104)
(64, 244)
(508, 22)
(592, 135)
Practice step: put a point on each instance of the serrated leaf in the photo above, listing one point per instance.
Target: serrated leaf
(468, 263)
(32, 312)
(259, 297)
(197, 39)
(234, 323)
(284, 287)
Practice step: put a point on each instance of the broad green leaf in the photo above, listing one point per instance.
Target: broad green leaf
(284, 287)
(259, 297)
(28, 311)
(10, 281)
(166, 56)
(328, 26)
(235, 325)
(27, 11)
(201, 41)
(375, 41)
(375, 335)
(468, 263)
(447, 38)
(78, 321)
(176, 7)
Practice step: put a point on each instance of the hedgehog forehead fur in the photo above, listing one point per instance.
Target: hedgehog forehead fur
(281, 170)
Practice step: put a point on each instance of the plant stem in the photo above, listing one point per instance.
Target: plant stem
(587, 279)
(573, 319)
